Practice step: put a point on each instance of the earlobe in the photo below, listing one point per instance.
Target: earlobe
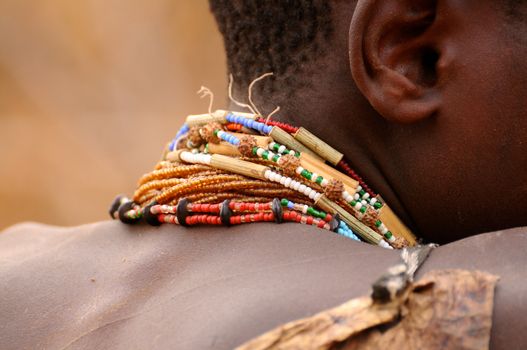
(393, 57)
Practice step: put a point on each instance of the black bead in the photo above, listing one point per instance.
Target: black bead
(123, 209)
(277, 211)
(149, 217)
(115, 205)
(182, 211)
(225, 212)
(334, 222)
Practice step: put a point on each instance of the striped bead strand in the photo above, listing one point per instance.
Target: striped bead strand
(365, 198)
(163, 209)
(281, 149)
(293, 216)
(168, 219)
(292, 184)
(306, 209)
(225, 136)
(361, 200)
(311, 176)
(265, 154)
(134, 214)
(384, 231)
(250, 207)
(254, 217)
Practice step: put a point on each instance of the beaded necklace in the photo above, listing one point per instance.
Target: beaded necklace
(229, 168)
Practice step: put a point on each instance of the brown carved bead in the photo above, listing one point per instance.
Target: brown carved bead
(207, 132)
(334, 189)
(370, 217)
(182, 143)
(247, 143)
(194, 137)
(399, 243)
(289, 164)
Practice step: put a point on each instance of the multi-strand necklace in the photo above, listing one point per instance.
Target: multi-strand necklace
(230, 168)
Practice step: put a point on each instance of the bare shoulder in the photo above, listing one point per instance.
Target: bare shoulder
(111, 285)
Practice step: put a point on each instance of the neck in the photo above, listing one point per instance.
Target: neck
(346, 122)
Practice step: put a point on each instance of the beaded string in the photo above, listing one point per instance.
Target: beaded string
(360, 200)
(240, 212)
(260, 126)
(217, 196)
(343, 164)
(200, 183)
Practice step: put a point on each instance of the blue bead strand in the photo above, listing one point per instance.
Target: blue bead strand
(345, 231)
(249, 123)
(233, 140)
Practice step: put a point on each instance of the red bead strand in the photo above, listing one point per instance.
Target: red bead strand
(351, 173)
(286, 127)
(233, 126)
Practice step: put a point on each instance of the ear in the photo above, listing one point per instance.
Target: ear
(393, 56)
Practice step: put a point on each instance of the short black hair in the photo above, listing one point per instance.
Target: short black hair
(278, 36)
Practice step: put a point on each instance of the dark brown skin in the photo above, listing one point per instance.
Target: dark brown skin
(445, 147)
(445, 143)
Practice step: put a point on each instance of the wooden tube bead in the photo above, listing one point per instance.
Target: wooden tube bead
(217, 116)
(282, 137)
(223, 148)
(318, 146)
(362, 230)
(173, 156)
(238, 166)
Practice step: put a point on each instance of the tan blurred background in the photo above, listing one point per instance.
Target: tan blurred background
(90, 91)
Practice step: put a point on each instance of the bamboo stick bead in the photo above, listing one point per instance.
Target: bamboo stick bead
(217, 116)
(174, 156)
(362, 230)
(238, 166)
(318, 146)
(280, 136)
(223, 148)
(201, 119)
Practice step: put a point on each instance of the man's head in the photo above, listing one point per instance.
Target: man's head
(428, 98)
